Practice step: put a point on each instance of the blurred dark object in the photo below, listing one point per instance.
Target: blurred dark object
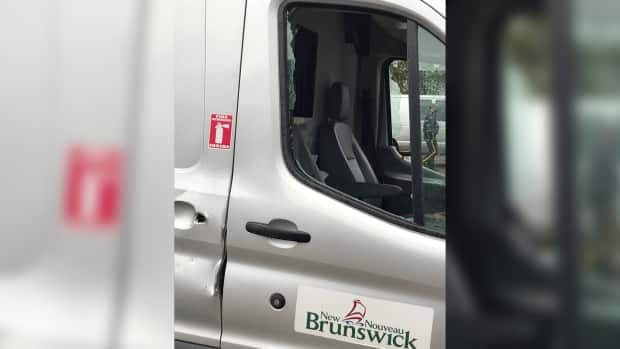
(504, 278)
(305, 46)
(533, 235)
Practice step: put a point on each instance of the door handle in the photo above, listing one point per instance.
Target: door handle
(278, 229)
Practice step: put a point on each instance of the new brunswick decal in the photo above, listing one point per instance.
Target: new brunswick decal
(362, 320)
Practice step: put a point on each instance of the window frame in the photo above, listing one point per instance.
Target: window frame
(285, 124)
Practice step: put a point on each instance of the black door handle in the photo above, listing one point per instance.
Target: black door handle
(274, 230)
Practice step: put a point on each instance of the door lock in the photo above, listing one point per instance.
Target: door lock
(186, 216)
(277, 301)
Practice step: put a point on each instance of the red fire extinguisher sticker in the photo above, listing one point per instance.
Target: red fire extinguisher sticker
(220, 131)
(93, 188)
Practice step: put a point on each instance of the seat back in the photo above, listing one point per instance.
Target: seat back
(339, 152)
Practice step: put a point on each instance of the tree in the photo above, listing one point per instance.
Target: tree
(432, 81)
(400, 74)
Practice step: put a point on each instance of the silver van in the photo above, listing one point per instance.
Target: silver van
(399, 104)
(298, 224)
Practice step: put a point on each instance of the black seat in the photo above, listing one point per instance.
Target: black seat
(339, 153)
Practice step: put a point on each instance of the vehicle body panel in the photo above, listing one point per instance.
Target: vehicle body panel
(350, 251)
(205, 185)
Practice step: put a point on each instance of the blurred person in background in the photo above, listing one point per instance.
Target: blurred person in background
(430, 129)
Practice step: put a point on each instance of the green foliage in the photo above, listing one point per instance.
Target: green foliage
(399, 73)
(526, 46)
(432, 82)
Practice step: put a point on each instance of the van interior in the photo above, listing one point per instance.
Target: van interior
(344, 102)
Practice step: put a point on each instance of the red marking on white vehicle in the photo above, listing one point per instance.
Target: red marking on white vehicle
(357, 312)
(93, 188)
(220, 131)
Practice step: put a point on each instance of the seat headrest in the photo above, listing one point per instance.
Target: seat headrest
(339, 102)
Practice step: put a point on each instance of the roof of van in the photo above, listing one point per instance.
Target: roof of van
(438, 5)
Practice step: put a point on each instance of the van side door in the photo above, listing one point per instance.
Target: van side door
(306, 270)
(208, 36)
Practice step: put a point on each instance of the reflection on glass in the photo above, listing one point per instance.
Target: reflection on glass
(432, 84)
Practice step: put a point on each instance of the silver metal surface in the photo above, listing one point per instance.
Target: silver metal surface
(204, 185)
(187, 345)
(350, 251)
